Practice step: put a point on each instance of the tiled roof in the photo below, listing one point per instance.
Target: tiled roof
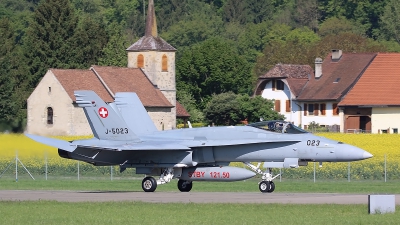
(379, 85)
(122, 79)
(289, 70)
(296, 76)
(72, 80)
(117, 79)
(181, 111)
(337, 77)
(150, 43)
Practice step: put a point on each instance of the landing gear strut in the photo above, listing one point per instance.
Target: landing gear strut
(266, 185)
(184, 185)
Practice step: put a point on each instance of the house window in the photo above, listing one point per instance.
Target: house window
(316, 109)
(310, 109)
(305, 109)
(164, 63)
(278, 105)
(287, 105)
(395, 130)
(140, 61)
(323, 109)
(49, 115)
(335, 109)
(278, 85)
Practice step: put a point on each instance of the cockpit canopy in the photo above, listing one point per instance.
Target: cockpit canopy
(278, 126)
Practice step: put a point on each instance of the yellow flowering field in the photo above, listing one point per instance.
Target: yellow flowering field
(33, 155)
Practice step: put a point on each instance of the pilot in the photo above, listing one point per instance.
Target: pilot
(279, 126)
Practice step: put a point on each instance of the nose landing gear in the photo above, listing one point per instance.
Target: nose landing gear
(266, 185)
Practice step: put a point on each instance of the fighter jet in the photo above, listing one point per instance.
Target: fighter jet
(125, 135)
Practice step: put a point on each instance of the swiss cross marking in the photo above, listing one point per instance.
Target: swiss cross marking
(103, 112)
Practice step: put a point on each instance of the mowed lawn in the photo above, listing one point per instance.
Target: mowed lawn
(51, 212)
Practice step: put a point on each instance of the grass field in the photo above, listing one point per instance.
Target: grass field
(50, 212)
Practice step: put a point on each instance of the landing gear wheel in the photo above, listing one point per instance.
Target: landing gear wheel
(272, 187)
(185, 186)
(149, 184)
(264, 186)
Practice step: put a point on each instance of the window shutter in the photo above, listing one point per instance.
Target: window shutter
(323, 108)
(164, 63)
(287, 105)
(305, 109)
(278, 105)
(273, 84)
(316, 109)
(140, 61)
(335, 109)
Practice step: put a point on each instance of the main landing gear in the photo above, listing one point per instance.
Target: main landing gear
(184, 185)
(266, 185)
(149, 184)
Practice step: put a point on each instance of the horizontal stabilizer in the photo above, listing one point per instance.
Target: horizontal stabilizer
(64, 145)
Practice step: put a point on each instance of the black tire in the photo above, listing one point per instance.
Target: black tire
(264, 186)
(149, 184)
(185, 186)
(272, 187)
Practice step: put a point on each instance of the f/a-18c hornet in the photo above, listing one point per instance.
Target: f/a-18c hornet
(125, 135)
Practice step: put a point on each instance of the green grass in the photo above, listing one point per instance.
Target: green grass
(292, 186)
(51, 212)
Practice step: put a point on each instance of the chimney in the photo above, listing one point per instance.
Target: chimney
(336, 54)
(318, 67)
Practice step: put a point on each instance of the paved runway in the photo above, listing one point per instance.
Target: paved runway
(195, 197)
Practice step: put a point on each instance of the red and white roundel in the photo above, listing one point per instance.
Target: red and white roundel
(103, 112)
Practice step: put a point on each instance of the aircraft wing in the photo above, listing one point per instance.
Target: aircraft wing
(211, 143)
(53, 142)
(180, 145)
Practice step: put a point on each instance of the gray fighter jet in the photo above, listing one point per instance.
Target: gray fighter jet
(125, 135)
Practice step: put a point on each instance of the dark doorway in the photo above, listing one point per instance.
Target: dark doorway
(365, 123)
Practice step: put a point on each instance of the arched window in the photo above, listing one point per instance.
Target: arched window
(140, 61)
(49, 115)
(164, 63)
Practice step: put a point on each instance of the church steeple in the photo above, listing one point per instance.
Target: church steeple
(151, 41)
(151, 22)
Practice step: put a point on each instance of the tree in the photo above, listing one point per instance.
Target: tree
(256, 109)
(230, 109)
(114, 54)
(13, 79)
(187, 100)
(189, 32)
(49, 38)
(88, 42)
(390, 21)
(213, 67)
(223, 109)
(297, 47)
(307, 14)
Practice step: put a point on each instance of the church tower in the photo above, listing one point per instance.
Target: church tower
(156, 58)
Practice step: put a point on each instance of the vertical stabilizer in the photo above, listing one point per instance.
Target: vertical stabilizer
(105, 122)
(133, 112)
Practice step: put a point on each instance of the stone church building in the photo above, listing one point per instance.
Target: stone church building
(150, 73)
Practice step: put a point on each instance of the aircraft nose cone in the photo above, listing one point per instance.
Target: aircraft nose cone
(348, 153)
(367, 155)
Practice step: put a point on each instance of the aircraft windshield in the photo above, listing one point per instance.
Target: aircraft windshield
(278, 126)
